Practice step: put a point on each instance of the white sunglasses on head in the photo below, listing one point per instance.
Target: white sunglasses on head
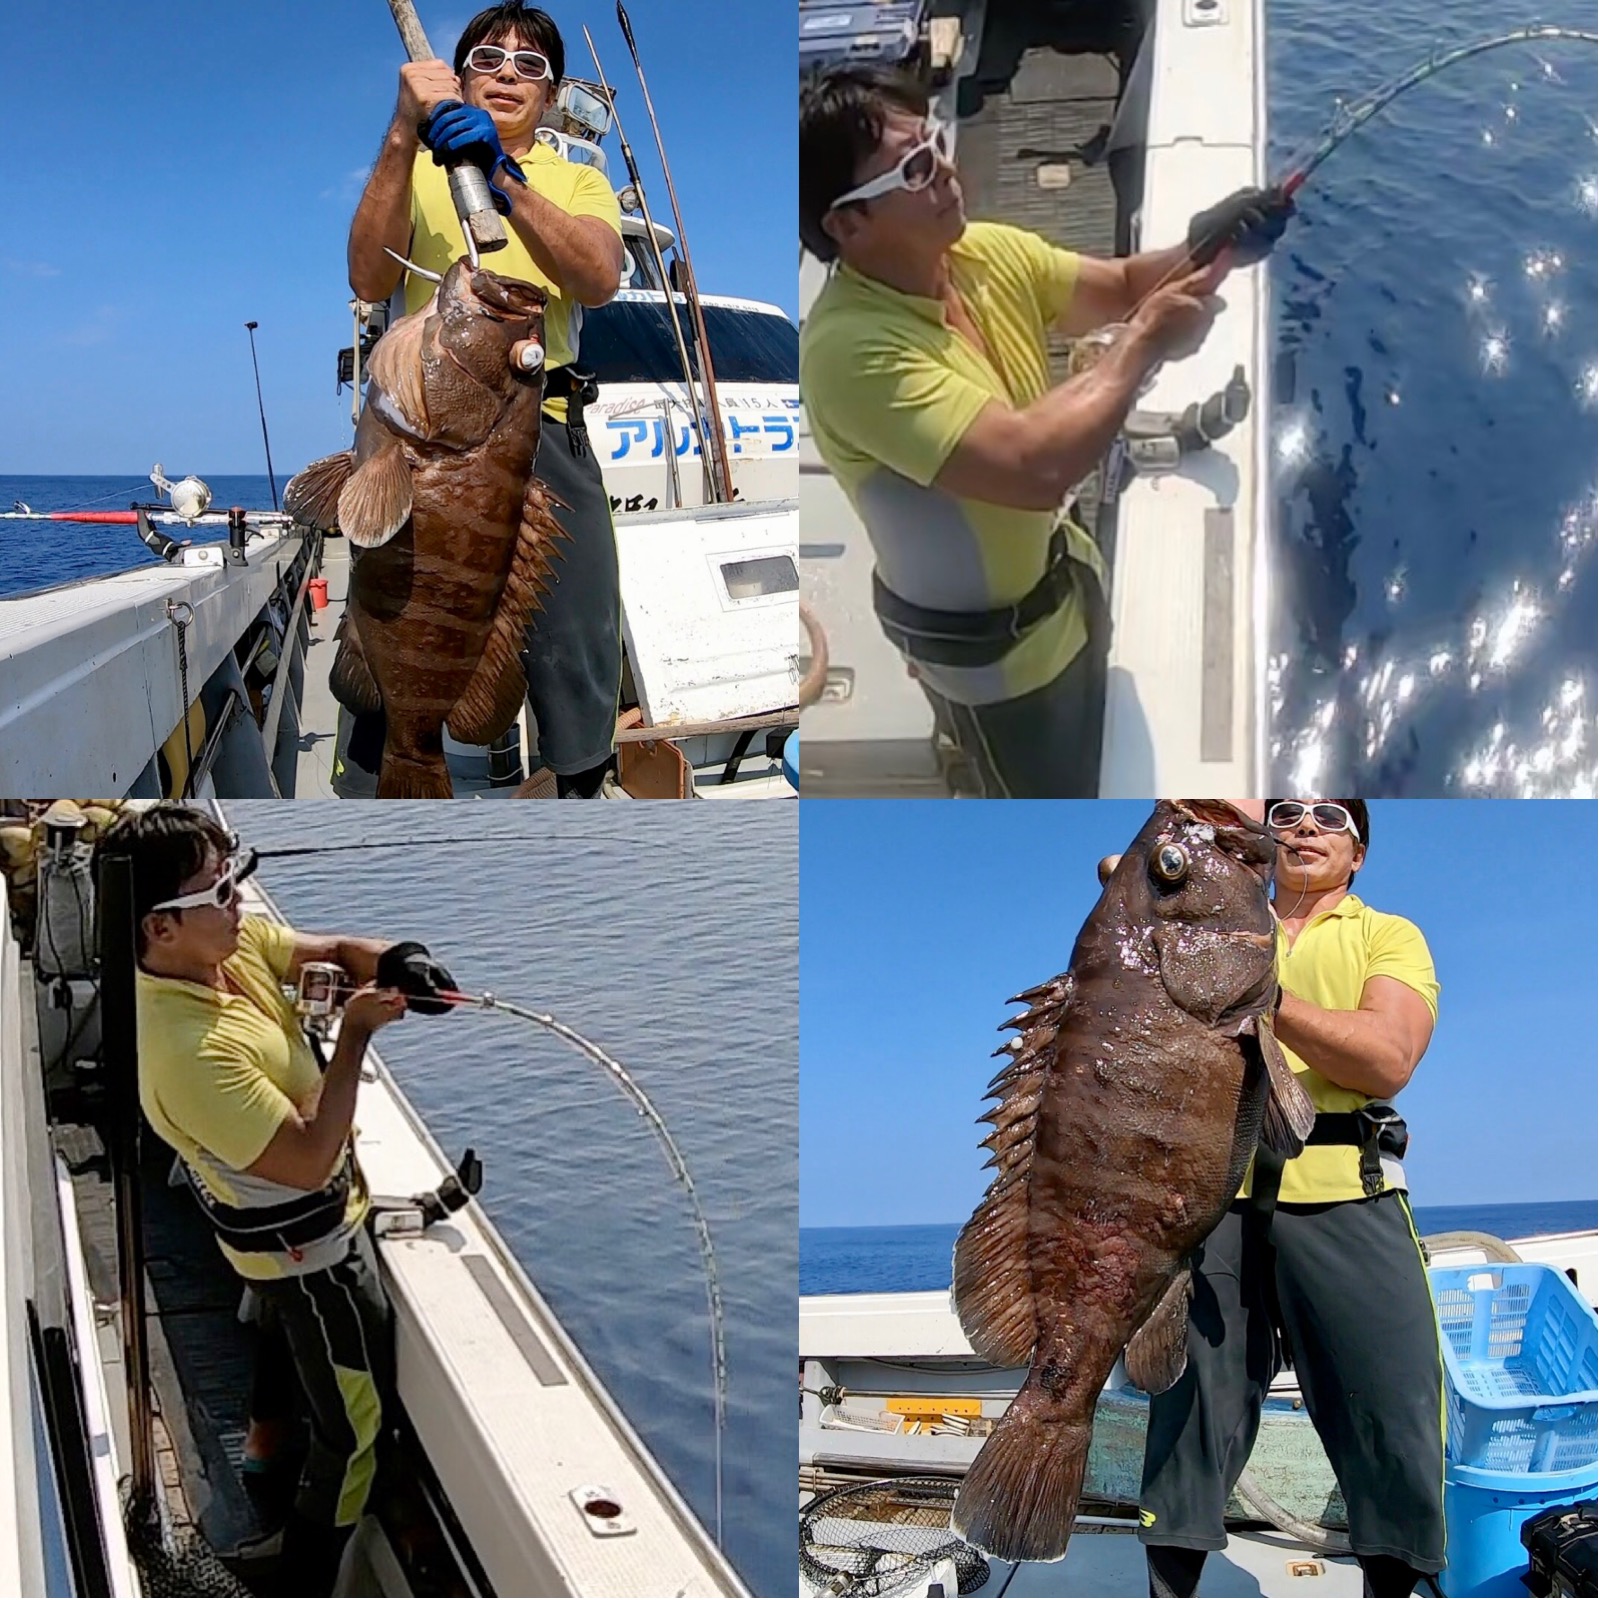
(1329, 817)
(915, 170)
(219, 894)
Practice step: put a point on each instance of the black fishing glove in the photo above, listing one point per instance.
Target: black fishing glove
(409, 968)
(1249, 221)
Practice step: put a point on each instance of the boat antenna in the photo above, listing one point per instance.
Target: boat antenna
(251, 329)
(690, 290)
(696, 413)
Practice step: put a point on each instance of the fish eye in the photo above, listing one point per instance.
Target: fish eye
(1170, 863)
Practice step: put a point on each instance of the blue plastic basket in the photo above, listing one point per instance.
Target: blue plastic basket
(1520, 1353)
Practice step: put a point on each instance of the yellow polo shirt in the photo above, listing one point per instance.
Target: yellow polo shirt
(1329, 965)
(219, 1072)
(890, 388)
(437, 243)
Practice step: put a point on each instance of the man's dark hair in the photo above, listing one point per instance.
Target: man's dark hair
(1358, 815)
(166, 844)
(537, 28)
(842, 114)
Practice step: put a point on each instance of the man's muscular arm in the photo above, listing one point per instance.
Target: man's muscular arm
(1374, 1049)
(383, 216)
(582, 254)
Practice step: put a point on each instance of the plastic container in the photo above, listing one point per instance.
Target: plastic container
(318, 591)
(1521, 1350)
(1520, 1346)
(1484, 1552)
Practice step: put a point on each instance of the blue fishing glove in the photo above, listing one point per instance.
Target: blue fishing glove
(1249, 222)
(409, 968)
(456, 132)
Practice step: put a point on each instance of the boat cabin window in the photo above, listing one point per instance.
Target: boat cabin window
(760, 576)
(628, 341)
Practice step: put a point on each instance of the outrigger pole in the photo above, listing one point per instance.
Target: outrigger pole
(691, 293)
(696, 413)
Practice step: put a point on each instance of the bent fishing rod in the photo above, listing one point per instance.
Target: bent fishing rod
(323, 989)
(691, 289)
(1357, 114)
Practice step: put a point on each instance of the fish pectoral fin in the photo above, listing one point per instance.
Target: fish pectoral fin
(1286, 1122)
(351, 679)
(374, 504)
(493, 695)
(1158, 1353)
(312, 495)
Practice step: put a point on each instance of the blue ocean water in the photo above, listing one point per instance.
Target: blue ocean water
(35, 554)
(669, 936)
(905, 1259)
(1434, 628)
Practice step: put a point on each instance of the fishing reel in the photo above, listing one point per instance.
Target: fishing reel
(320, 996)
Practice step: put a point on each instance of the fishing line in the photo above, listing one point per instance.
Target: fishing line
(416, 844)
(680, 1170)
(1356, 114)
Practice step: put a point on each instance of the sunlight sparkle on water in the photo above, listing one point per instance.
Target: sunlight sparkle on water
(1478, 290)
(1554, 315)
(1584, 387)
(1513, 627)
(1588, 200)
(1494, 353)
(1294, 444)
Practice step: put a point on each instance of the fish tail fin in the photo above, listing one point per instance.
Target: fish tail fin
(312, 495)
(1019, 1498)
(419, 773)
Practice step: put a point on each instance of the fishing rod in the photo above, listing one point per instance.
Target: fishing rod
(680, 1170)
(1348, 118)
(322, 991)
(690, 289)
(250, 328)
(696, 414)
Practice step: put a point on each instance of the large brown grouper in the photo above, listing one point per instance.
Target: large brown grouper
(455, 534)
(1138, 1087)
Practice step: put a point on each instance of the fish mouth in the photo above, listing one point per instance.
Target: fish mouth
(1247, 841)
(503, 299)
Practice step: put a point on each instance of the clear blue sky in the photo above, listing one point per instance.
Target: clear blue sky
(175, 168)
(918, 920)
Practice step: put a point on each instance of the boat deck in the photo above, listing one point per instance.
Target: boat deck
(1106, 1560)
(1055, 102)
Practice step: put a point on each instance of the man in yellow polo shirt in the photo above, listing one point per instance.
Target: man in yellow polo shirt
(1319, 1253)
(228, 1078)
(924, 370)
(564, 234)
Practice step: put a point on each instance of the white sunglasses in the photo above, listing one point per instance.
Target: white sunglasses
(219, 894)
(529, 64)
(1329, 818)
(915, 170)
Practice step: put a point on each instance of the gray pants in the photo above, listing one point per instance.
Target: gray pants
(1044, 745)
(1345, 1287)
(336, 1324)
